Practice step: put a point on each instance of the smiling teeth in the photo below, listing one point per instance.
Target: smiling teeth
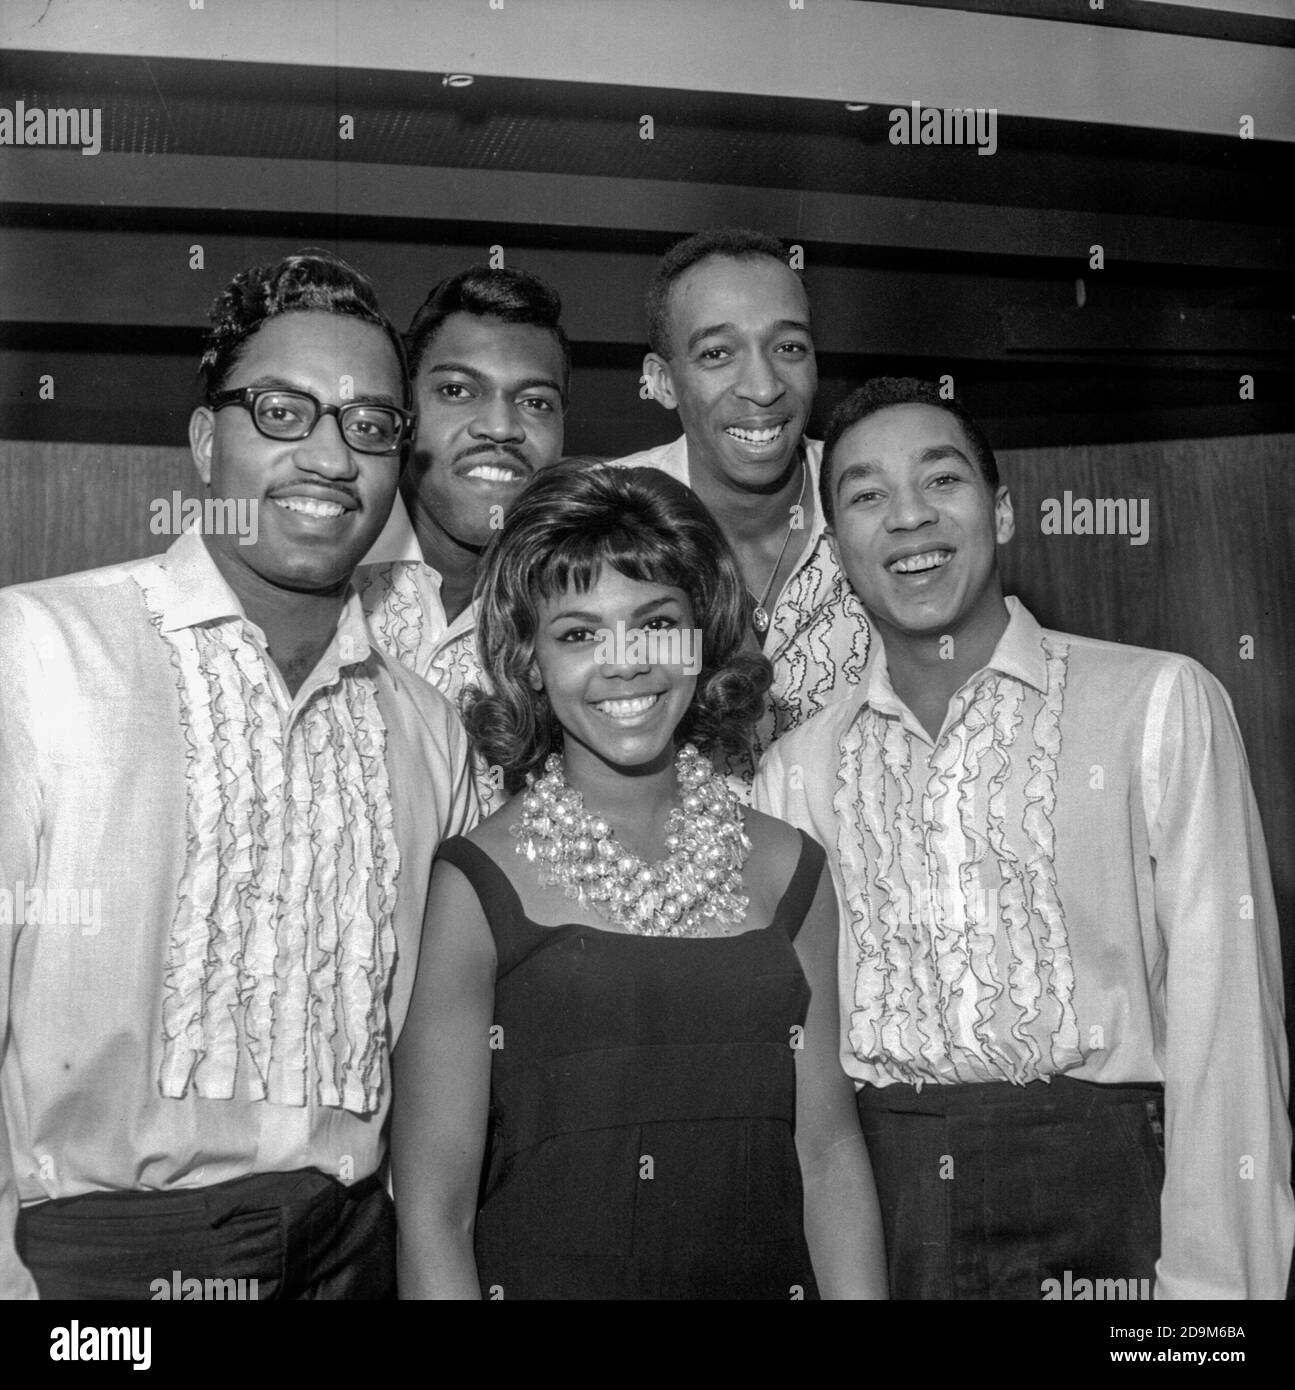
(755, 436)
(627, 709)
(928, 560)
(491, 474)
(310, 506)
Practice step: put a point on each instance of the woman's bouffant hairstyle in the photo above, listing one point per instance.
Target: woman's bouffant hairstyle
(571, 520)
(308, 280)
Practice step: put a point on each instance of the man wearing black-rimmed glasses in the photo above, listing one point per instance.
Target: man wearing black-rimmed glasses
(221, 805)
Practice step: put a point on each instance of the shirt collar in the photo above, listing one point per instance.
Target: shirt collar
(1019, 651)
(1019, 654)
(813, 449)
(397, 540)
(195, 592)
(398, 544)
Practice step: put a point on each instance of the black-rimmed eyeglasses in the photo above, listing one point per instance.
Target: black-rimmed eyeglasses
(367, 426)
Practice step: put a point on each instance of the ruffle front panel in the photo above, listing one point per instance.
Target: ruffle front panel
(962, 964)
(282, 943)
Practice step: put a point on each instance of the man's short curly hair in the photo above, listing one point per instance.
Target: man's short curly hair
(571, 520)
(726, 243)
(308, 280)
(514, 296)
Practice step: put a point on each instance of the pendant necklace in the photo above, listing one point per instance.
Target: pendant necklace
(760, 618)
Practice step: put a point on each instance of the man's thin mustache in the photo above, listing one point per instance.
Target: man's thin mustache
(494, 450)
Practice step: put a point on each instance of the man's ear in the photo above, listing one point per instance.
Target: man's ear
(656, 370)
(835, 550)
(1004, 516)
(202, 429)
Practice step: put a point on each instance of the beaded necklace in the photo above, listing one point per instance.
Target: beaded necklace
(699, 880)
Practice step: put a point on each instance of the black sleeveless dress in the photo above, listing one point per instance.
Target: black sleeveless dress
(642, 1103)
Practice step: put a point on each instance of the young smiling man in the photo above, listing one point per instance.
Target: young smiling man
(491, 369)
(732, 352)
(1060, 978)
(209, 745)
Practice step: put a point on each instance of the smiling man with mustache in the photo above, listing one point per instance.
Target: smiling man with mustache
(491, 369)
(208, 743)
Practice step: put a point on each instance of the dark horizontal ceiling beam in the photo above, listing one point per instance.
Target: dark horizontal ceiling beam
(205, 185)
(1171, 328)
(261, 111)
(66, 288)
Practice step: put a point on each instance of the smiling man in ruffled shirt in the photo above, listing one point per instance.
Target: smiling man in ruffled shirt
(491, 369)
(207, 747)
(732, 352)
(1059, 968)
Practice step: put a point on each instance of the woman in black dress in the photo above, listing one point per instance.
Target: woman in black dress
(625, 1007)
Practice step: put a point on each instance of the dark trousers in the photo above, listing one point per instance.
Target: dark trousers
(298, 1235)
(987, 1190)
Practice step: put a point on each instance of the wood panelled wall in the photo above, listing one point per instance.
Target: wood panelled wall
(69, 507)
(1218, 566)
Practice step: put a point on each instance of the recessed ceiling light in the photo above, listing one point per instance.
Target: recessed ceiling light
(457, 79)
(856, 105)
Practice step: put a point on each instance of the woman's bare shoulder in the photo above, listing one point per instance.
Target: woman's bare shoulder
(775, 851)
(492, 834)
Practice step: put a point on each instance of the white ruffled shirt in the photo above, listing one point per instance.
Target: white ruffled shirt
(401, 594)
(211, 891)
(1072, 879)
